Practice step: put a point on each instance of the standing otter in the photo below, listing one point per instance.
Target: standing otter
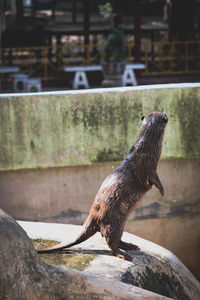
(124, 188)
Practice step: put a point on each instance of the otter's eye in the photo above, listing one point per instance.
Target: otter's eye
(142, 118)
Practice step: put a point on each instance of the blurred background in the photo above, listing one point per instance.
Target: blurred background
(40, 37)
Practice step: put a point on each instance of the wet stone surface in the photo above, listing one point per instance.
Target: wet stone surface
(69, 258)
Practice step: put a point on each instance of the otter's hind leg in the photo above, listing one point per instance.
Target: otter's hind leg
(128, 246)
(113, 237)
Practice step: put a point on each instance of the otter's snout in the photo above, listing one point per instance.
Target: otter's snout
(165, 118)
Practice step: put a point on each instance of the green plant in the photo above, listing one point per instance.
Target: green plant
(105, 10)
(115, 49)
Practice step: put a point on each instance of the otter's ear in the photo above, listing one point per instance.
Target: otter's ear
(142, 118)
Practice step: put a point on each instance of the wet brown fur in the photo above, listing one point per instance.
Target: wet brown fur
(121, 190)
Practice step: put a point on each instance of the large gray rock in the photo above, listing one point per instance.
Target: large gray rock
(23, 276)
(152, 268)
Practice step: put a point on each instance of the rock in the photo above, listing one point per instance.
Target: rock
(153, 268)
(24, 276)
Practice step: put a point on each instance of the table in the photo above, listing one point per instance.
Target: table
(80, 76)
(7, 69)
(129, 73)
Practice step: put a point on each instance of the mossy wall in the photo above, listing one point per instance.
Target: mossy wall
(76, 128)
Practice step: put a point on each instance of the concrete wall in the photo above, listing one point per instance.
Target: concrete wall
(49, 130)
(56, 149)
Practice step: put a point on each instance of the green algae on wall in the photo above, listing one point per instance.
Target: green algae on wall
(61, 130)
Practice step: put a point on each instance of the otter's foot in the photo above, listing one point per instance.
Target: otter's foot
(122, 255)
(128, 246)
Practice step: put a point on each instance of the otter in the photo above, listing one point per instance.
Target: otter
(124, 188)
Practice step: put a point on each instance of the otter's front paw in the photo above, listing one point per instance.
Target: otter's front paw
(162, 191)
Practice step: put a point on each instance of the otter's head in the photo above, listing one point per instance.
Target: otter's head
(153, 124)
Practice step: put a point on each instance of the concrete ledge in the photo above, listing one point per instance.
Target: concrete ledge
(109, 90)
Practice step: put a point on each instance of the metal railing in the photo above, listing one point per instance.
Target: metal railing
(160, 58)
(171, 58)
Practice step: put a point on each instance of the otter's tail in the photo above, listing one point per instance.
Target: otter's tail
(85, 234)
